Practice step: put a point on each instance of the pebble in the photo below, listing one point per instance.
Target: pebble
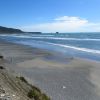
(64, 87)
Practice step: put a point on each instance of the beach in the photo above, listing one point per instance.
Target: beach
(60, 77)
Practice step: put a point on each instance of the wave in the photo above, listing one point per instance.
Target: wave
(66, 46)
(57, 38)
(25, 35)
(43, 35)
(74, 39)
(53, 38)
(77, 48)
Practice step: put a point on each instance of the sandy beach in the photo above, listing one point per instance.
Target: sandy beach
(59, 76)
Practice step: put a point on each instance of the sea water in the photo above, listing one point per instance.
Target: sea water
(85, 45)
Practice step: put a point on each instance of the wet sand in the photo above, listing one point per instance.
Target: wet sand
(61, 77)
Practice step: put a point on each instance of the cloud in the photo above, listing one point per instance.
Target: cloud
(65, 24)
(67, 18)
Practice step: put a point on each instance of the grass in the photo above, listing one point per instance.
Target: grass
(34, 92)
(22, 79)
(37, 95)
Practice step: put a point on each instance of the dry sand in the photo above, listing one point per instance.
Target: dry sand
(62, 78)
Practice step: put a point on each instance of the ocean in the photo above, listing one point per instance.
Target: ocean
(84, 45)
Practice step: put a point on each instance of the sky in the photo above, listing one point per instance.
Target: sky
(51, 15)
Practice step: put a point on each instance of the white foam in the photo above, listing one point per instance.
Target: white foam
(75, 39)
(57, 38)
(71, 47)
(43, 35)
(77, 48)
(66, 46)
(52, 38)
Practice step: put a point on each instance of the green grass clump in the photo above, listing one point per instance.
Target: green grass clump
(36, 94)
(22, 79)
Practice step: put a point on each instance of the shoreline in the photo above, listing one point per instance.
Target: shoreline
(57, 75)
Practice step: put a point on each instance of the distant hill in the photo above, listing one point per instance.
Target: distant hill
(13, 30)
(9, 30)
(34, 32)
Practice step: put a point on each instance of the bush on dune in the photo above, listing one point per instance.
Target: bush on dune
(23, 79)
(37, 95)
(34, 92)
